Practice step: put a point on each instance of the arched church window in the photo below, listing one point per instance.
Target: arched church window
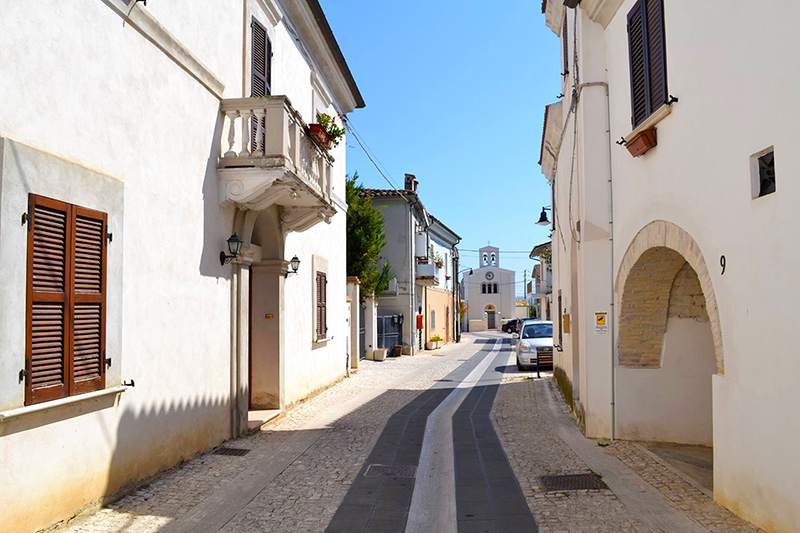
(483, 288)
(494, 259)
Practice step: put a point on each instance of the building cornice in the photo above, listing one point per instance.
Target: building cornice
(311, 27)
(601, 11)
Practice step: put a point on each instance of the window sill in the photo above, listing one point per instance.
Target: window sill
(54, 404)
(321, 341)
(651, 121)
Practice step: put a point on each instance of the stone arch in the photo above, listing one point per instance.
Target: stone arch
(643, 284)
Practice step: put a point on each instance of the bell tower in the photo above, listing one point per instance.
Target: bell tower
(489, 256)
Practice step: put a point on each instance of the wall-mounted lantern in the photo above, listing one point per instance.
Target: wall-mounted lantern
(234, 247)
(295, 264)
(543, 221)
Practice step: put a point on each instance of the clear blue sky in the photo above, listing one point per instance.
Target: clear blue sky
(455, 94)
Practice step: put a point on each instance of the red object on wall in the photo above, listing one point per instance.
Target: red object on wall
(420, 322)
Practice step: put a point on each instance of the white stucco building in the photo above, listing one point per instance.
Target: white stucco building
(489, 292)
(424, 259)
(674, 269)
(541, 289)
(136, 140)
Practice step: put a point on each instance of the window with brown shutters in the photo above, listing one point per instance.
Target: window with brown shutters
(66, 293)
(322, 305)
(565, 46)
(261, 83)
(648, 59)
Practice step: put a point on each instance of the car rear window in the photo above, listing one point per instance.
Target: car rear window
(537, 331)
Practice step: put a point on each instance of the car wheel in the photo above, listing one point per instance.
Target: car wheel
(519, 366)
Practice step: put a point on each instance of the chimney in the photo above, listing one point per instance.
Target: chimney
(411, 182)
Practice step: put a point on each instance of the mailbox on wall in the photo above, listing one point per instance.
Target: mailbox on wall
(420, 321)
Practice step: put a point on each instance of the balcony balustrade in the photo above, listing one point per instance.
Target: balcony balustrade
(269, 158)
(427, 273)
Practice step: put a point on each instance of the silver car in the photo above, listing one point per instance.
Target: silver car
(535, 346)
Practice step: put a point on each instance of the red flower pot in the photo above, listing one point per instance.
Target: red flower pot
(644, 141)
(320, 136)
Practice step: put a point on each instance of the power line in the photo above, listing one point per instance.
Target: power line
(369, 155)
(501, 251)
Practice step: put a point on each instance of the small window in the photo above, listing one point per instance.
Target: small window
(66, 305)
(762, 168)
(648, 59)
(495, 288)
(483, 288)
(565, 46)
(322, 305)
(494, 259)
(433, 320)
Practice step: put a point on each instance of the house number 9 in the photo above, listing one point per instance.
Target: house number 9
(722, 263)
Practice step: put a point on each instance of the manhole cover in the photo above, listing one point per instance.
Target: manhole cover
(391, 471)
(572, 482)
(236, 452)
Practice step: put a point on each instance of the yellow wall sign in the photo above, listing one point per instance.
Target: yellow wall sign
(600, 323)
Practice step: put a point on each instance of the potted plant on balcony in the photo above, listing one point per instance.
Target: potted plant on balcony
(434, 343)
(438, 260)
(326, 133)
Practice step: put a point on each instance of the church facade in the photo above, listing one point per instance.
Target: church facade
(489, 292)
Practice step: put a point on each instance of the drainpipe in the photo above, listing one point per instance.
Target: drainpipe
(234, 382)
(612, 313)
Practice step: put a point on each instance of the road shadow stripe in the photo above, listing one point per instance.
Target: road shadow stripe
(488, 495)
(382, 503)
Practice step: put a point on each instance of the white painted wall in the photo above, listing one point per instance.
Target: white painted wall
(671, 403)
(698, 178)
(97, 94)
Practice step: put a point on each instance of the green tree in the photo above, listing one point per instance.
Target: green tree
(365, 240)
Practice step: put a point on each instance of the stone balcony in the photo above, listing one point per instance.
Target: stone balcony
(427, 273)
(268, 158)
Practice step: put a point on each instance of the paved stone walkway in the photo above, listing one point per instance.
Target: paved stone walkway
(300, 469)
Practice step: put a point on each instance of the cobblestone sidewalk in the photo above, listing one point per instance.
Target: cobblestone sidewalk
(303, 497)
(534, 450)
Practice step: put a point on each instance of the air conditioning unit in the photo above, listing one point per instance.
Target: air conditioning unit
(421, 244)
(392, 288)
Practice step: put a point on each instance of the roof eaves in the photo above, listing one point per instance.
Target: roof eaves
(325, 28)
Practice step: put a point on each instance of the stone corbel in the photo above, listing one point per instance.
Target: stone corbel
(250, 190)
(300, 219)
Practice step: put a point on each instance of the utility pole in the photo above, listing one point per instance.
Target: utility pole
(525, 284)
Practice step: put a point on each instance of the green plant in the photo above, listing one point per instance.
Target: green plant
(365, 240)
(437, 258)
(462, 310)
(331, 128)
(547, 256)
(436, 338)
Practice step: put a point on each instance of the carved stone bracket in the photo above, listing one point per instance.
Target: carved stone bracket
(300, 219)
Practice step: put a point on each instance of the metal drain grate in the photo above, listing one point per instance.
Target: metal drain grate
(391, 471)
(572, 482)
(236, 452)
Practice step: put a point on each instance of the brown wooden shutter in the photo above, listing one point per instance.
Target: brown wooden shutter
(322, 301)
(565, 46)
(648, 59)
(89, 305)
(65, 345)
(656, 54)
(638, 62)
(47, 290)
(261, 73)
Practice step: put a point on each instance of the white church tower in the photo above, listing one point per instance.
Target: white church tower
(489, 292)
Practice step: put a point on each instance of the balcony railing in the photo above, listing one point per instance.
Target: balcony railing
(427, 273)
(268, 156)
